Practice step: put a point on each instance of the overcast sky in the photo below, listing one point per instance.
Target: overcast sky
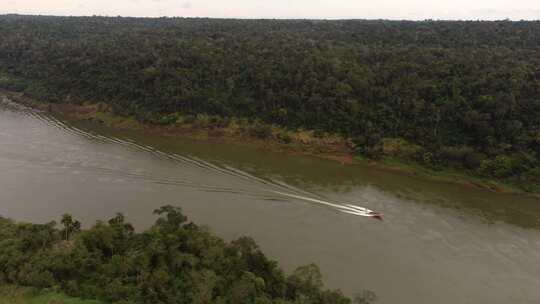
(332, 9)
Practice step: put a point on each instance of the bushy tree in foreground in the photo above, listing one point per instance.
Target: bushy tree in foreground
(174, 261)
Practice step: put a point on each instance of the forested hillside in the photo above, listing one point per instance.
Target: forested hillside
(174, 261)
(444, 94)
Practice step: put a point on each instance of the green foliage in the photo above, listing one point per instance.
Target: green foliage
(447, 93)
(174, 261)
(474, 160)
(508, 165)
(167, 120)
(70, 226)
(399, 148)
(284, 137)
(260, 130)
(17, 295)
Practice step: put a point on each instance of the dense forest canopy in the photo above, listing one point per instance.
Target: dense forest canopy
(443, 93)
(173, 262)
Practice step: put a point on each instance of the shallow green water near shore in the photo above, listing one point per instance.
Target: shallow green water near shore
(438, 243)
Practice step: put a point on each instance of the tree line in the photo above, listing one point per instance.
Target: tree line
(460, 94)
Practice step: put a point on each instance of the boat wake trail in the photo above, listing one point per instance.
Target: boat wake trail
(267, 189)
(345, 208)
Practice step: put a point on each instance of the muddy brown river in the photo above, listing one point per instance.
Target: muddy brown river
(438, 243)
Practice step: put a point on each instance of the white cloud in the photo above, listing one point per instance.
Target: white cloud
(390, 9)
(187, 5)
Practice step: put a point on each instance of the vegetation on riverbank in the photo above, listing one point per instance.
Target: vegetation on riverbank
(205, 127)
(303, 142)
(447, 96)
(175, 261)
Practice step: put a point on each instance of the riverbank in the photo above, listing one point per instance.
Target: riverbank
(208, 128)
(267, 138)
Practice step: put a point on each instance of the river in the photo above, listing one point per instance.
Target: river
(438, 243)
